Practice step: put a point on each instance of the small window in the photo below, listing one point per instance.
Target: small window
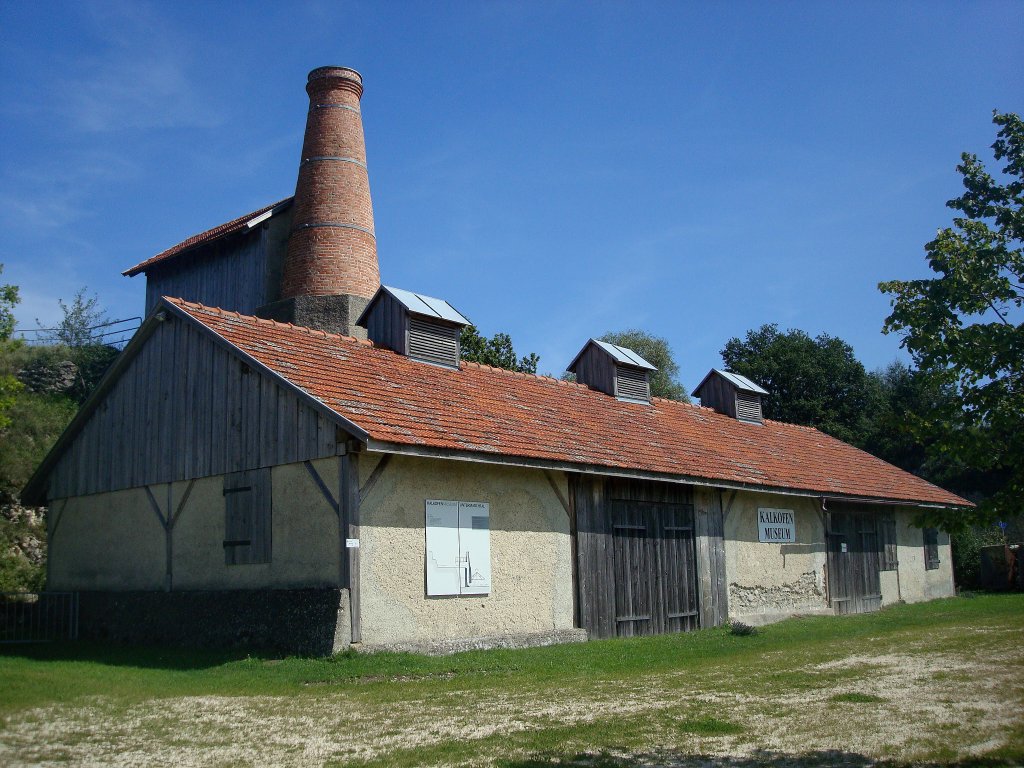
(931, 549)
(887, 560)
(247, 517)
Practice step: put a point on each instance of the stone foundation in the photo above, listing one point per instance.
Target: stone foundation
(311, 622)
(334, 314)
(445, 647)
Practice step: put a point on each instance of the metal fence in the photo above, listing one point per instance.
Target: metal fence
(38, 617)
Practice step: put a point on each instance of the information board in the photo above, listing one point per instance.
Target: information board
(458, 547)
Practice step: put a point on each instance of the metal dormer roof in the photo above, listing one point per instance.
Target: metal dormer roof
(621, 355)
(741, 383)
(418, 304)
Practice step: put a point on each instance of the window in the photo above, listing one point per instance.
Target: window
(931, 549)
(247, 517)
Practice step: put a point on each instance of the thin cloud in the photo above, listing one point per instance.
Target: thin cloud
(142, 78)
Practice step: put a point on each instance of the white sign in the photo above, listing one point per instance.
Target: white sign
(776, 526)
(458, 547)
(352, 543)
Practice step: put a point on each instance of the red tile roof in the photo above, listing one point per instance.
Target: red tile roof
(203, 238)
(491, 411)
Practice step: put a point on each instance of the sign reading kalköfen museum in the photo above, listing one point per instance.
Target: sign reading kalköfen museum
(776, 526)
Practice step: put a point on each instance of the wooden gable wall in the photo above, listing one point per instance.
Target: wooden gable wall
(185, 407)
(239, 273)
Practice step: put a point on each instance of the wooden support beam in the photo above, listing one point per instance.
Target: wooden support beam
(374, 477)
(709, 531)
(53, 532)
(324, 490)
(183, 502)
(348, 487)
(558, 491)
(166, 525)
(155, 506)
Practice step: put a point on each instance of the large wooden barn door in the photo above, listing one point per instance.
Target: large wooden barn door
(853, 560)
(637, 556)
(654, 572)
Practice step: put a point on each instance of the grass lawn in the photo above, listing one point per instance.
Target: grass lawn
(940, 682)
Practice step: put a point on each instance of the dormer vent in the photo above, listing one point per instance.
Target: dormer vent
(614, 370)
(420, 327)
(733, 395)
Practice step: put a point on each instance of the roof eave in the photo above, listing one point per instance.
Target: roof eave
(453, 454)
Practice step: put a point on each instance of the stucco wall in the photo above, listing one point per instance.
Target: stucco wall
(531, 573)
(915, 583)
(114, 541)
(105, 541)
(771, 581)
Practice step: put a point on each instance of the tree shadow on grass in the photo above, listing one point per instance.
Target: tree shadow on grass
(757, 759)
(144, 656)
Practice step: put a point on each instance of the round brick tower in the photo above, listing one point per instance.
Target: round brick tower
(330, 269)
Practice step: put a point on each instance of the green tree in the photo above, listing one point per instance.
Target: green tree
(816, 382)
(658, 352)
(8, 300)
(496, 351)
(963, 326)
(81, 323)
(80, 334)
(9, 385)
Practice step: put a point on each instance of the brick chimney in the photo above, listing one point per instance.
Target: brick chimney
(330, 270)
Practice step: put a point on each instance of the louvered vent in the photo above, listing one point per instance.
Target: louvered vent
(631, 384)
(748, 407)
(433, 342)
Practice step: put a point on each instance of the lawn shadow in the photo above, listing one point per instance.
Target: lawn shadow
(142, 656)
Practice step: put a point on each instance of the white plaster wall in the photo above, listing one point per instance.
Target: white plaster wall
(915, 583)
(531, 568)
(114, 541)
(768, 582)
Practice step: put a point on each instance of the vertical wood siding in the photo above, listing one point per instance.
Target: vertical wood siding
(185, 408)
(234, 273)
(596, 370)
(387, 325)
(719, 394)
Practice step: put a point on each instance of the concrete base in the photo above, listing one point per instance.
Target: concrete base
(311, 622)
(760, 619)
(446, 647)
(334, 314)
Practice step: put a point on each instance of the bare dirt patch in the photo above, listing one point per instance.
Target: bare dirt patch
(897, 705)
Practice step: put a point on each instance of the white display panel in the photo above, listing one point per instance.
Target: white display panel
(458, 548)
(475, 545)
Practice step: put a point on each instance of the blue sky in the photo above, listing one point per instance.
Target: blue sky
(554, 170)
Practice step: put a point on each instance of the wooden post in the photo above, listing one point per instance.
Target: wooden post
(348, 486)
(709, 532)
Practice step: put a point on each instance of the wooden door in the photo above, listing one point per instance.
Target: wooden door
(654, 568)
(853, 562)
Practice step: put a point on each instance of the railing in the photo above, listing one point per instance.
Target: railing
(38, 617)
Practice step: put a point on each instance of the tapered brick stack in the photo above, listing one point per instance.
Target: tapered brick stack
(330, 270)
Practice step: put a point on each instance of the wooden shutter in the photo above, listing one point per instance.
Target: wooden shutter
(631, 384)
(247, 517)
(931, 549)
(433, 342)
(748, 407)
(888, 560)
